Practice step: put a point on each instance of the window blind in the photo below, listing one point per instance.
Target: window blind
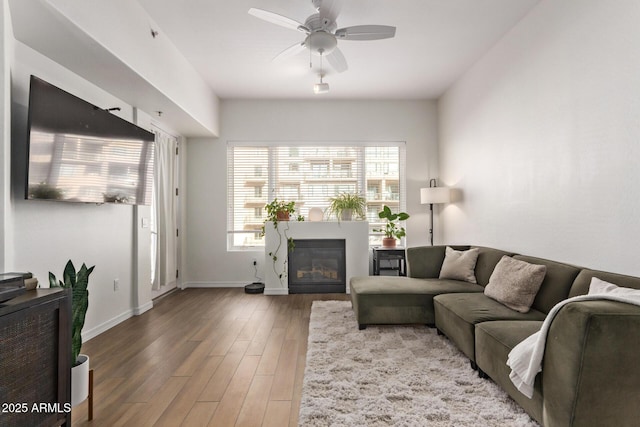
(309, 174)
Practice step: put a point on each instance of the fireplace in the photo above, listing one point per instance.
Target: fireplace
(356, 243)
(317, 266)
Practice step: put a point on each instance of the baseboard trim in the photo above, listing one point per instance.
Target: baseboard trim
(276, 291)
(267, 291)
(94, 332)
(186, 285)
(137, 311)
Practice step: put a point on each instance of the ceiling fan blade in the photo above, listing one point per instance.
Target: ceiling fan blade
(366, 32)
(329, 11)
(274, 18)
(290, 51)
(337, 60)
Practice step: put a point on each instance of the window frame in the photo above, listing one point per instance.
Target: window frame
(295, 146)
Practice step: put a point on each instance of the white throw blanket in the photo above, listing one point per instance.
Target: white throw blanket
(525, 360)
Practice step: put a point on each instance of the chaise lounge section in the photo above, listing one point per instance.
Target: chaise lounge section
(590, 373)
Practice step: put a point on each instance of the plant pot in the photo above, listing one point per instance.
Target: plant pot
(282, 216)
(346, 215)
(80, 380)
(389, 242)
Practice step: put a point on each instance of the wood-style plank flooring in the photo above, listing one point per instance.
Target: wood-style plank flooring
(203, 357)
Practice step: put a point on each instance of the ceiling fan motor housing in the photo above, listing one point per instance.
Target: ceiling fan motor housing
(315, 23)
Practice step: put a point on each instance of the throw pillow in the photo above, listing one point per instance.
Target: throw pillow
(598, 286)
(515, 283)
(459, 265)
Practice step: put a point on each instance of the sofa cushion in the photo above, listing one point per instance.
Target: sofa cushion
(494, 341)
(457, 314)
(487, 260)
(601, 287)
(379, 300)
(556, 284)
(459, 265)
(515, 283)
(425, 262)
(406, 285)
(581, 283)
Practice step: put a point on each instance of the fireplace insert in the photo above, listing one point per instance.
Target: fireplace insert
(317, 266)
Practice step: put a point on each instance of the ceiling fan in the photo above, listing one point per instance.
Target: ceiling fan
(322, 32)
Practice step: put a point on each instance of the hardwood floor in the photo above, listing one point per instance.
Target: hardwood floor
(203, 357)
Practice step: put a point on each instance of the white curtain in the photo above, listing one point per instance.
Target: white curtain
(164, 211)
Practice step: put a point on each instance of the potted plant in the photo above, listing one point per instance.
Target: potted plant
(279, 210)
(45, 191)
(392, 229)
(345, 205)
(78, 282)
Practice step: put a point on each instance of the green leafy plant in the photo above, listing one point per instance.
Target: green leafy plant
(114, 198)
(45, 191)
(78, 283)
(345, 204)
(392, 228)
(280, 211)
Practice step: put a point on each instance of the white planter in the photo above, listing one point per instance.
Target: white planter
(80, 380)
(346, 215)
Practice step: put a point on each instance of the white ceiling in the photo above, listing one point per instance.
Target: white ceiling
(436, 41)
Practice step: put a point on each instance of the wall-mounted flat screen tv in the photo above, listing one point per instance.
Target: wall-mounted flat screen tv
(79, 152)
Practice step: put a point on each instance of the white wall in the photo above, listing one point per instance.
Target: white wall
(542, 137)
(110, 44)
(47, 234)
(123, 27)
(207, 260)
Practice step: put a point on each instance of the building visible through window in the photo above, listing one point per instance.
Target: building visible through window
(310, 176)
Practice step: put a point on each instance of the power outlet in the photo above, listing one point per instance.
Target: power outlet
(116, 284)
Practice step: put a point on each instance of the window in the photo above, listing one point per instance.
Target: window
(319, 169)
(309, 175)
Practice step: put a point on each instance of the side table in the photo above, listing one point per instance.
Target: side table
(394, 257)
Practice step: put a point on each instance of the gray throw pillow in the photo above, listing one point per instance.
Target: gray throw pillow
(515, 283)
(459, 265)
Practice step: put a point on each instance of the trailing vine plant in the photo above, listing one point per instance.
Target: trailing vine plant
(280, 211)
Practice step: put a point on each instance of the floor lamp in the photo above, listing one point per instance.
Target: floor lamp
(434, 195)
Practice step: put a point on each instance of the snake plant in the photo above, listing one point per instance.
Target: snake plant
(78, 282)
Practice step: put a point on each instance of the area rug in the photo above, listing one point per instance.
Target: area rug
(393, 376)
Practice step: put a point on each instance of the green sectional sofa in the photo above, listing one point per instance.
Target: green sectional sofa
(591, 365)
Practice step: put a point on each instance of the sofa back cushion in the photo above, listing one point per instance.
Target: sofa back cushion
(581, 284)
(515, 283)
(556, 284)
(459, 265)
(487, 260)
(425, 262)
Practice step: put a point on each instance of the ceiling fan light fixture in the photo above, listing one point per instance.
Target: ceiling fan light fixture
(321, 43)
(320, 88)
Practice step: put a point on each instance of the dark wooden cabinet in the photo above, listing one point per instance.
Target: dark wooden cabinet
(35, 359)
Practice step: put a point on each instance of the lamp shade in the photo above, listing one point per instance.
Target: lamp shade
(435, 195)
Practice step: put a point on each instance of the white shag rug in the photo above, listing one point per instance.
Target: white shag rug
(393, 376)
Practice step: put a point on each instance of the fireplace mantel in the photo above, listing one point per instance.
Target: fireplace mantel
(355, 233)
